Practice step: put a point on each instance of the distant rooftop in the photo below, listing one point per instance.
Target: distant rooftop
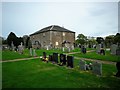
(52, 28)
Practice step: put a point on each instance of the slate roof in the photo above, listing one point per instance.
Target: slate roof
(52, 28)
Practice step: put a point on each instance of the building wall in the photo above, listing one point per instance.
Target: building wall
(53, 38)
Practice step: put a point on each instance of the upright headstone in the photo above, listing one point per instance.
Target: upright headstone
(47, 47)
(70, 60)
(97, 68)
(20, 49)
(68, 49)
(118, 52)
(63, 49)
(50, 57)
(31, 52)
(82, 65)
(34, 53)
(55, 57)
(12, 46)
(72, 47)
(63, 59)
(98, 48)
(113, 49)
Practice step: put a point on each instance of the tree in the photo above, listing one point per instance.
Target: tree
(109, 40)
(99, 40)
(117, 38)
(81, 39)
(12, 37)
(28, 42)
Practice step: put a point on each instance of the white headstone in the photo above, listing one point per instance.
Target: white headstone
(12, 45)
(82, 65)
(97, 68)
(72, 47)
(34, 53)
(20, 49)
(47, 47)
(113, 49)
(30, 51)
(98, 48)
(63, 49)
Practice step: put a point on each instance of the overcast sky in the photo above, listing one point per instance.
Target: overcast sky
(89, 18)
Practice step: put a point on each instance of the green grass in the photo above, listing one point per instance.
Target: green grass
(38, 74)
(94, 55)
(10, 55)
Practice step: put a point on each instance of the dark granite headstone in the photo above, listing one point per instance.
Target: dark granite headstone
(102, 51)
(70, 61)
(50, 57)
(44, 56)
(83, 49)
(55, 57)
(118, 52)
(63, 59)
(118, 69)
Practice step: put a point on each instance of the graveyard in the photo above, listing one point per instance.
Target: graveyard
(35, 73)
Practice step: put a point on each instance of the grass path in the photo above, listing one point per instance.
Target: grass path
(105, 62)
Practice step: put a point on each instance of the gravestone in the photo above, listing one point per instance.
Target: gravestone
(20, 49)
(34, 53)
(63, 59)
(113, 49)
(68, 49)
(82, 65)
(70, 60)
(118, 52)
(97, 68)
(12, 46)
(47, 47)
(83, 49)
(63, 49)
(44, 54)
(72, 47)
(55, 57)
(98, 48)
(31, 52)
(50, 57)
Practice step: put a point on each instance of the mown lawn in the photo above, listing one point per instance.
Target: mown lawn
(94, 55)
(38, 74)
(10, 55)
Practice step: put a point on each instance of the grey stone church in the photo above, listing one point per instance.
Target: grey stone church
(52, 36)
